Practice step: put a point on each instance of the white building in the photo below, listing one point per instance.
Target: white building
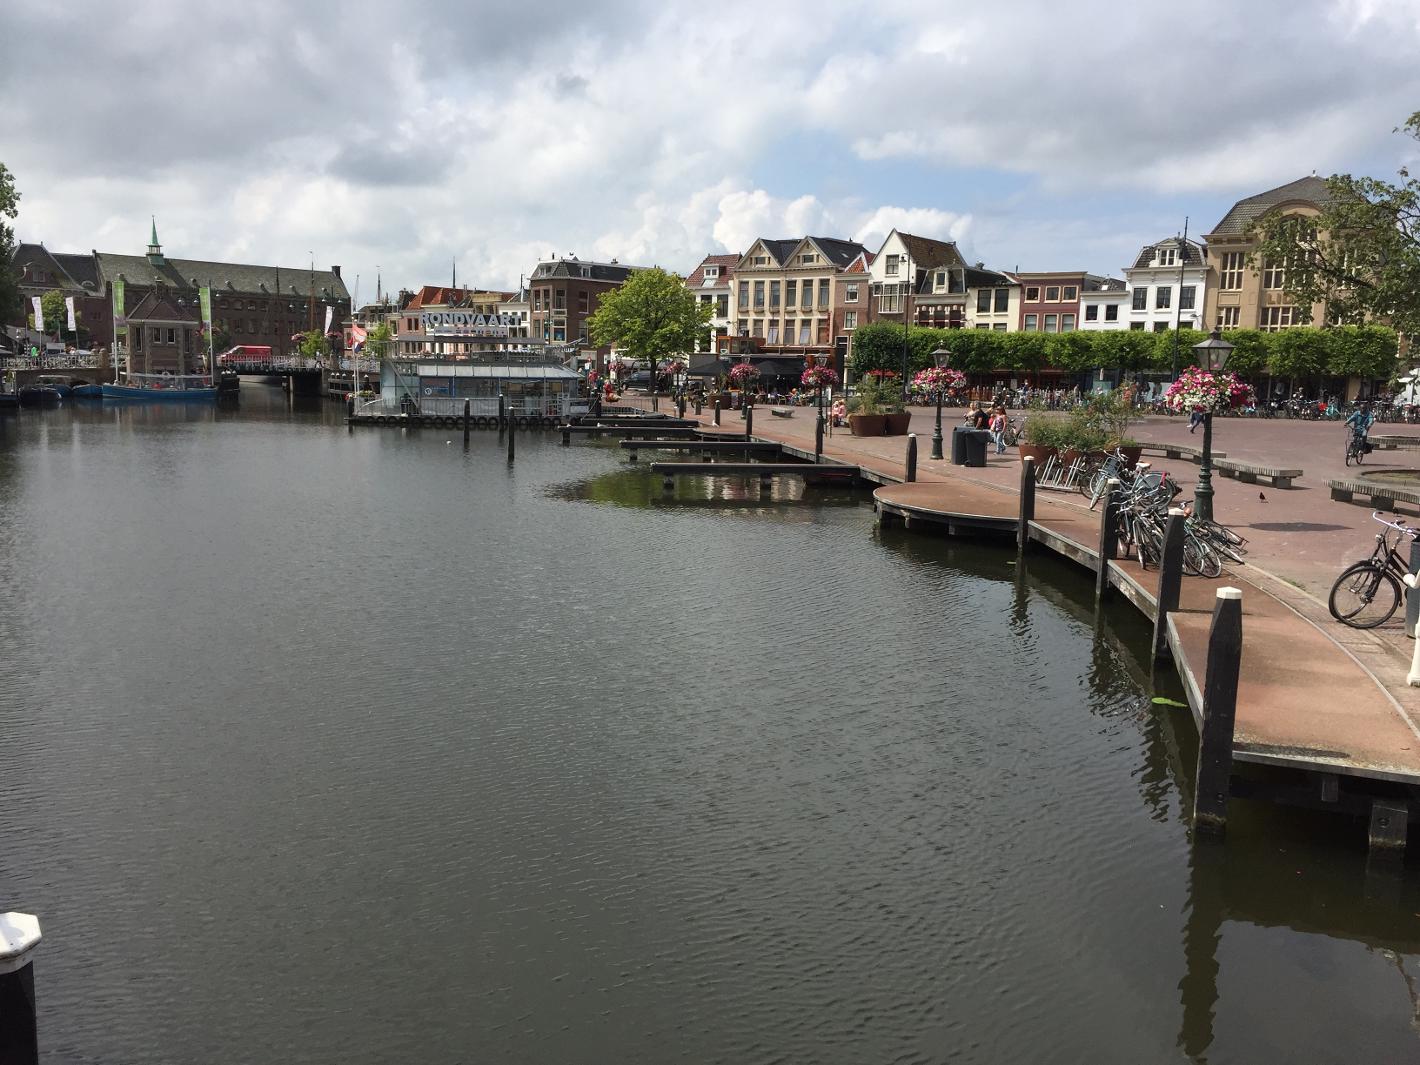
(515, 308)
(1106, 307)
(993, 300)
(904, 265)
(1166, 286)
(710, 281)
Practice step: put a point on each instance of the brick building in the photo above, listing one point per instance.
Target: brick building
(565, 292)
(41, 271)
(1050, 300)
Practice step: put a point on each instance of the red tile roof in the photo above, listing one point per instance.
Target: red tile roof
(726, 263)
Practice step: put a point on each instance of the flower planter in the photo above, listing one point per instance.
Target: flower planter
(897, 424)
(866, 424)
(1040, 452)
(1132, 455)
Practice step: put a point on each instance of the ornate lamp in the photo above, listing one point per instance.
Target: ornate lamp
(1211, 355)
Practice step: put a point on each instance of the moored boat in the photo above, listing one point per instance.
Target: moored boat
(162, 388)
(84, 390)
(39, 396)
(59, 384)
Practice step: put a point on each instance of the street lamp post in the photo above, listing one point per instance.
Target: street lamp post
(906, 290)
(1211, 355)
(941, 357)
(820, 361)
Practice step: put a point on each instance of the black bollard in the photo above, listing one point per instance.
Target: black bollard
(717, 412)
(19, 1033)
(818, 438)
(502, 409)
(1109, 536)
(749, 421)
(699, 403)
(511, 437)
(909, 473)
(1027, 514)
(467, 419)
(566, 436)
(1170, 580)
(1220, 704)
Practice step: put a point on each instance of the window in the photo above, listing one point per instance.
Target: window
(999, 327)
(1030, 326)
(761, 260)
(1067, 323)
(850, 320)
(559, 299)
(808, 257)
(823, 294)
(1230, 272)
(1111, 312)
(773, 337)
(941, 281)
(759, 327)
(1003, 300)
(742, 327)
(1092, 313)
(1141, 298)
(1032, 295)
(744, 293)
(1275, 318)
(774, 295)
(1273, 277)
(1052, 294)
(983, 301)
(1163, 297)
(582, 299)
(759, 299)
(1071, 294)
(1227, 317)
(1050, 323)
(1136, 325)
(1166, 257)
(850, 293)
(891, 268)
(983, 325)
(822, 331)
(1185, 297)
(804, 327)
(1161, 327)
(722, 305)
(791, 293)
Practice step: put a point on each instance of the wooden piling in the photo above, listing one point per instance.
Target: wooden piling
(502, 409)
(909, 473)
(19, 1036)
(1390, 821)
(467, 419)
(1170, 580)
(1027, 514)
(512, 436)
(1220, 698)
(566, 436)
(716, 420)
(749, 421)
(818, 438)
(1109, 536)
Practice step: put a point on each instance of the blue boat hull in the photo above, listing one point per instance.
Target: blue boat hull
(87, 391)
(160, 395)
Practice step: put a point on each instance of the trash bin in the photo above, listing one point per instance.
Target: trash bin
(969, 446)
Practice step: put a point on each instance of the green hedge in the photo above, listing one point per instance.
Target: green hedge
(1345, 351)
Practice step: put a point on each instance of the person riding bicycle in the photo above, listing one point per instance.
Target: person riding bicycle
(1359, 422)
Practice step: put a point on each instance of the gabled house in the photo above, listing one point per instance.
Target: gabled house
(711, 282)
(1167, 286)
(918, 276)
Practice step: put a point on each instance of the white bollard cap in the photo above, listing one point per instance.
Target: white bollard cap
(1229, 593)
(19, 935)
(1410, 579)
(1177, 512)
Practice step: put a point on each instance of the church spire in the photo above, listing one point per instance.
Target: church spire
(155, 250)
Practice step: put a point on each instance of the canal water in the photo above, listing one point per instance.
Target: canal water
(361, 748)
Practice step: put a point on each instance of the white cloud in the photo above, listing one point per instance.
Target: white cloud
(635, 131)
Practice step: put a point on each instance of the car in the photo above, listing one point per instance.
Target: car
(640, 379)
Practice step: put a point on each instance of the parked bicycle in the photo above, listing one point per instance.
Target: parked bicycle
(1367, 592)
(1142, 507)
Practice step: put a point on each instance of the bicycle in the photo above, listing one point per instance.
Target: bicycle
(1355, 446)
(1367, 592)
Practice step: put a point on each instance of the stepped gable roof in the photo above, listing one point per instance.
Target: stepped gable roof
(157, 305)
(223, 277)
(1245, 212)
(726, 263)
(1191, 252)
(926, 252)
(613, 273)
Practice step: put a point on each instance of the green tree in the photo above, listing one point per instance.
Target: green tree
(56, 313)
(314, 345)
(651, 317)
(377, 342)
(9, 279)
(1367, 351)
(1298, 353)
(1361, 256)
(1250, 351)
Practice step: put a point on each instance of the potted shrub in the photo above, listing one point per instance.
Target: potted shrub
(865, 409)
(897, 419)
(1040, 434)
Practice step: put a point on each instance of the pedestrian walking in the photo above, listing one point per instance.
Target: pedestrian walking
(998, 428)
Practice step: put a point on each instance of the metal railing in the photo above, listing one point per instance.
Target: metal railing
(52, 362)
(268, 365)
(480, 406)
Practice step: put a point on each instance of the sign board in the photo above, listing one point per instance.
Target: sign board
(466, 323)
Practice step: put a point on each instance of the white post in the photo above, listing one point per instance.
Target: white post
(1413, 677)
(19, 936)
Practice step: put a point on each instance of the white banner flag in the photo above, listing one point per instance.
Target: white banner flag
(69, 306)
(39, 315)
(329, 314)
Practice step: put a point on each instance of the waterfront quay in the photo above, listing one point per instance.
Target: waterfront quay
(1326, 707)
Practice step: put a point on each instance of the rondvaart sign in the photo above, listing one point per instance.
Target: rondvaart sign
(465, 323)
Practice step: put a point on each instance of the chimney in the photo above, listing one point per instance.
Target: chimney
(335, 270)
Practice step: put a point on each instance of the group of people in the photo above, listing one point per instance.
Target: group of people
(993, 421)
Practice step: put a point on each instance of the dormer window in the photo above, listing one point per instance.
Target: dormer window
(761, 260)
(808, 257)
(891, 268)
(1167, 257)
(712, 272)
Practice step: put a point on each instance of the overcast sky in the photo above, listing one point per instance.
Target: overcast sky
(1039, 135)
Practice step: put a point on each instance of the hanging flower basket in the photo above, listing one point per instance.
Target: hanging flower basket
(819, 377)
(938, 379)
(1198, 390)
(742, 374)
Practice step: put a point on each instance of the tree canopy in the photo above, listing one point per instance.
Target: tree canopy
(9, 209)
(1360, 256)
(652, 316)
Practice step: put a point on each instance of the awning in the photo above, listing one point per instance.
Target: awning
(544, 372)
(779, 367)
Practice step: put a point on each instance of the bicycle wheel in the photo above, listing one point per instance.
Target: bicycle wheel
(1088, 476)
(1149, 542)
(1199, 558)
(1364, 596)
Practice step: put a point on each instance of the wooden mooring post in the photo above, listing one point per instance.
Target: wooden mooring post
(909, 473)
(1027, 514)
(512, 436)
(1170, 580)
(716, 414)
(502, 409)
(467, 419)
(1109, 536)
(1220, 705)
(749, 421)
(19, 1035)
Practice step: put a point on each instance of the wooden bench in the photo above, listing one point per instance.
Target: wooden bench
(1382, 496)
(1245, 471)
(782, 412)
(1179, 451)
